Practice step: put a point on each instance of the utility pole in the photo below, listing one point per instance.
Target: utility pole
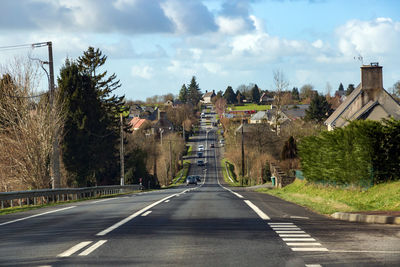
(170, 160)
(121, 151)
(55, 157)
(242, 152)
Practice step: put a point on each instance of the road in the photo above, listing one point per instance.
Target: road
(204, 225)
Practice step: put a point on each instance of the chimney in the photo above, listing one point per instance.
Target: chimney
(371, 80)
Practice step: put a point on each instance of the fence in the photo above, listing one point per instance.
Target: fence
(44, 196)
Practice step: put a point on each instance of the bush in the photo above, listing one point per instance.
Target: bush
(363, 153)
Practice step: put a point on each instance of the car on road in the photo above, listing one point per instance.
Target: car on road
(200, 154)
(200, 162)
(191, 180)
(212, 145)
(200, 148)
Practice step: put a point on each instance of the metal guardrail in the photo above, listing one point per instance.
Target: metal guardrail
(44, 196)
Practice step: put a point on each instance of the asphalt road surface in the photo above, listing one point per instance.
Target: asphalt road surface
(204, 225)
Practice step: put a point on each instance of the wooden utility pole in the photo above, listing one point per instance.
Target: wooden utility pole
(121, 151)
(170, 160)
(242, 151)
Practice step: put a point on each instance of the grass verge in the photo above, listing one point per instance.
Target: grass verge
(32, 207)
(231, 171)
(178, 180)
(190, 150)
(327, 200)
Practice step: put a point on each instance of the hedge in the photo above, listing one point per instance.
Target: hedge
(363, 153)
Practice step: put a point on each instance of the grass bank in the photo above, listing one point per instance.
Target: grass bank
(327, 200)
(231, 169)
(180, 177)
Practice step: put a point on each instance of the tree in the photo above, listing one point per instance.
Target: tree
(306, 91)
(111, 106)
(396, 90)
(350, 89)
(183, 94)
(229, 95)
(255, 94)
(220, 105)
(281, 85)
(239, 97)
(194, 93)
(341, 88)
(295, 93)
(289, 150)
(318, 110)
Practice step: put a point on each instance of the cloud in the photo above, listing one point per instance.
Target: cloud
(145, 72)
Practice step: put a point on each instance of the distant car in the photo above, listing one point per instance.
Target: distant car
(198, 178)
(191, 180)
(200, 163)
(212, 145)
(200, 154)
(200, 147)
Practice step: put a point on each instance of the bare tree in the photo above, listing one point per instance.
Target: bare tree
(281, 85)
(27, 127)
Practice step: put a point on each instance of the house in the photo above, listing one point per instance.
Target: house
(208, 96)
(260, 117)
(136, 123)
(265, 99)
(295, 112)
(368, 101)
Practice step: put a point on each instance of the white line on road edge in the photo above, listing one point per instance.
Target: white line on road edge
(366, 251)
(74, 249)
(92, 248)
(309, 249)
(257, 210)
(146, 213)
(37, 215)
(127, 219)
(103, 200)
(299, 217)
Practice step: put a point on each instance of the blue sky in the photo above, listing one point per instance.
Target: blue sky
(155, 46)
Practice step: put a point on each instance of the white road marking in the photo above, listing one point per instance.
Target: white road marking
(313, 265)
(309, 249)
(299, 217)
(281, 223)
(103, 200)
(36, 215)
(127, 219)
(146, 213)
(366, 251)
(298, 239)
(92, 248)
(166, 201)
(284, 226)
(303, 244)
(74, 249)
(290, 232)
(257, 210)
(278, 229)
(294, 235)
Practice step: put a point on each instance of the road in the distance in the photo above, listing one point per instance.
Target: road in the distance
(204, 225)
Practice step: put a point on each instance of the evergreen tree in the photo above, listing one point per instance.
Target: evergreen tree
(341, 88)
(318, 110)
(350, 89)
(194, 93)
(255, 94)
(82, 111)
(239, 97)
(295, 93)
(289, 150)
(183, 94)
(230, 95)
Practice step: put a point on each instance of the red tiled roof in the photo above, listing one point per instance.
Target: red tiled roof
(136, 123)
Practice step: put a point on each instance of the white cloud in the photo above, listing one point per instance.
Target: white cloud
(145, 72)
(228, 25)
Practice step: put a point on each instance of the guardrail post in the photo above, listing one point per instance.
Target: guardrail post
(2, 204)
(11, 203)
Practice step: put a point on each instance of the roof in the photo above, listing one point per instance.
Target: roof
(136, 123)
(209, 94)
(295, 111)
(260, 116)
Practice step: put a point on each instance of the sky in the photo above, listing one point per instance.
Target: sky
(156, 46)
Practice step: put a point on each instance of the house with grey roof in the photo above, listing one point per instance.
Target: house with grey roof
(208, 96)
(368, 101)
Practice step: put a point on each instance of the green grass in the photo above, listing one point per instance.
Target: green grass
(230, 169)
(34, 207)
(190, 150)
(327, 200)
(251, 107)
(184, 171)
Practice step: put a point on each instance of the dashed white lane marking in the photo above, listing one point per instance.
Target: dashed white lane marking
(74, 249)
(166, 201)
(146, 213)
(310, 249)
(92, 248)
(127, 219)
(36, 215)
(257, 210)
(303, 244)
(294, 235)
(313, 265)
(298, 239)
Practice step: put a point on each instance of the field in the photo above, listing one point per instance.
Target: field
(327, 200)
(250, 107)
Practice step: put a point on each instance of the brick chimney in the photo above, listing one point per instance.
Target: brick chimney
(371, 80)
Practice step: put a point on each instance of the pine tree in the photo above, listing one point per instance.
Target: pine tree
(255, 94)
(229, 95)
(295, 93)
(183, 94)
(341, 88)
(194, 93)
(350, 89)
(318, 110)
